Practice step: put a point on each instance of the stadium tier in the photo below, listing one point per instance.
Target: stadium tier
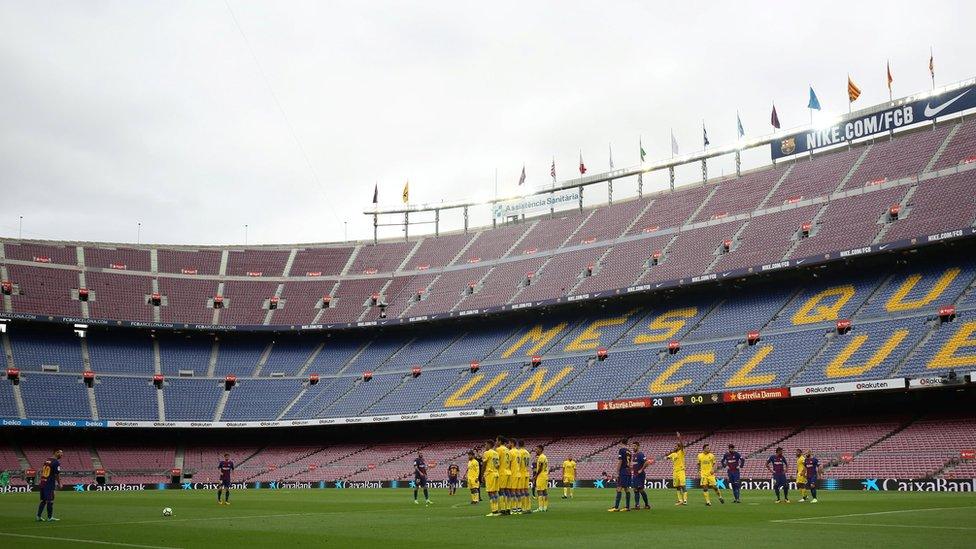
(831, 326)
(893, 189)
(886, 446)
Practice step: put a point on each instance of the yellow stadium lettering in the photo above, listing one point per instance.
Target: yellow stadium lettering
(947, 357)
(838, 367)
(538, 387)
(461, 396)
(812, 311)
(537, 335)
(897, 301)
(662, 384)
(667, 323)
(743, 378)
(589, 339)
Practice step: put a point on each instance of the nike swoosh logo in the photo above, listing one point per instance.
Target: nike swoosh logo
(930, 112)
(798, 261)
(882, 247)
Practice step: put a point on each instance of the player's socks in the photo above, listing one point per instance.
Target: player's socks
(813, 492)
(40, 508)
(50, 510)
(777, 493)
(786, 493)
(644, 495)
(708, 499)
(427, 497)
(227, 497)
(720, 498)
(616, 504)
(628, 500)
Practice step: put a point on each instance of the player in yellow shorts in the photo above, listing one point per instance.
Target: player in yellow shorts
(474, 470)
(526, 467)
(706, 470)
(491, 461)
(677, 457)
(515, 458)
(504, 475)
(801, 474)
(541, 479)
(569, 477)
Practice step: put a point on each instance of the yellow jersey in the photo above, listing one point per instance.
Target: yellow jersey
(526, 462)
(706, 464)
(542, 465)
(504, 461)
(515, 456)
(569, 470)
(491, 462)
(474, 468)
(801, 471)
(677, 458)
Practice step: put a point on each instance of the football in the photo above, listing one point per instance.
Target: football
(167, 512)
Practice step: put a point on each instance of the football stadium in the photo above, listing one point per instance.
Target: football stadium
(761, 341)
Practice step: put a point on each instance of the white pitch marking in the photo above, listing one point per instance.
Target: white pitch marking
(891, 525)
(169, 520)
(92, 541)
(875, 513)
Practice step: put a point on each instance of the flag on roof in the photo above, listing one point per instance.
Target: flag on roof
(705, 135)
(738, 124)
(610, 147)
(931, 63)
(774, 118)
(582, 166)
(853, 92)
(674, 144)
(406, 192)
(552, 170)
(642, 153)
(376, 192)
(813, 103)
(522, 177)
(890, 78)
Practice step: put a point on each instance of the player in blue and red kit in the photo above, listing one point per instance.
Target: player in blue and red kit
(777, 464)
(420, 477)
(812, 465)
(225, 467)
(452, 479)
(733, 463)
(639, 477)
(50, 481)
(624, 480)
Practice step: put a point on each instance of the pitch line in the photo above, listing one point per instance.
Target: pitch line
(90, 541)
(914, 527)
(804, 519)
(170, 520)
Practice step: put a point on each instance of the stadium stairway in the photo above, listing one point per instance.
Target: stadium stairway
(263, 359)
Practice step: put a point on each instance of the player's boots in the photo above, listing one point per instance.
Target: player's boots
(53, 519)
(722, 500)
(428, 502)
(814, 500)
(613, 510)
(39, 519)
(415, 502)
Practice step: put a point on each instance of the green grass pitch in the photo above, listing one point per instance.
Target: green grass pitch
(388, 517)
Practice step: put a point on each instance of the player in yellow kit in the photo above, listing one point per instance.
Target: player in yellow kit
(504, 475)
(474, 470)
(541, 479)
(492, 464)
(526, 467)
(801, 474)
(515, 489)
(677, 457)
(569, 477)
(706, 471)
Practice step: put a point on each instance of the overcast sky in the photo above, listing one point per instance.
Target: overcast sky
(116, 113)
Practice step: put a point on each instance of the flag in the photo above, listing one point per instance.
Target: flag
(406, 192)
(705, 135)
(522, 177)
(642, 153)
(890, 78)
(814, 103)
(674, 144)
(931, 63)
(774, 118)
(738, 124)
(611, 156)
(582, 166)
(853, 92)
(552, 170)
(376, 192)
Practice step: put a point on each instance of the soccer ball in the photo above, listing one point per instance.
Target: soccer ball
(167, 512)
